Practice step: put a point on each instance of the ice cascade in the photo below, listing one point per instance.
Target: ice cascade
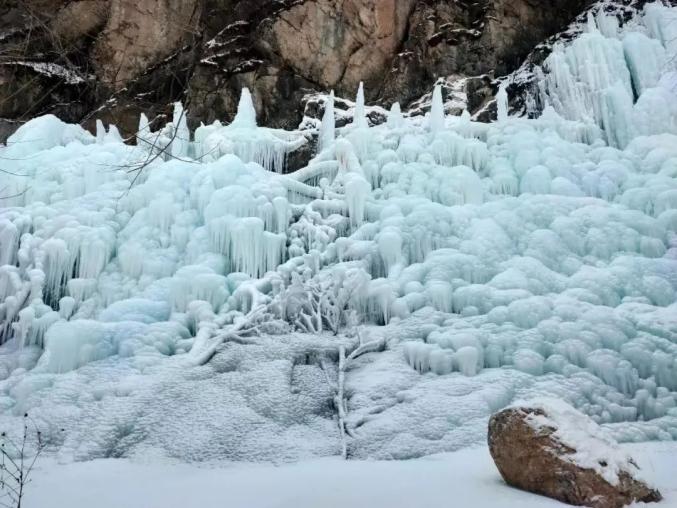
(473, 262)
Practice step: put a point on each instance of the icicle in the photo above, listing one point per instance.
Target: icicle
(246, 113)
(616, 115)
(502, 103)
(66, 307)
(395, 118)
(584, 78)
(144, 124)
(24, 325)
(464, 125)
(437, 120)
(381, 297)
(453, 150)
(253, 250)
(390, 247)
(57, 268)
(282, 214)
(591, 25)
(608, 24)
(360, 118)
(114, 135)
(82, 289)
(440, 293)
(418, 355)
(181, 133)
(143, 133)
(467, 360)
(207, 146)
(100, 132)
(346, 157)
(645, 59)
(357, 191)
(327, 129)
(9, 240)
(93, 258)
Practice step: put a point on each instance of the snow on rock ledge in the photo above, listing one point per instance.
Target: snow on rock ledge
(549, 448)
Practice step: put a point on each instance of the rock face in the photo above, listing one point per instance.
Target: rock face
(551, 449)
(115, 58)
(140, 33)
(339, 44)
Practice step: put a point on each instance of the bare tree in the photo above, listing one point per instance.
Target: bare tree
(340, 398)
(17, 463)
(322, 303)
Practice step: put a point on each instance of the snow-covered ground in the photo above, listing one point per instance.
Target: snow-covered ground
(187, 300)
(466, 478)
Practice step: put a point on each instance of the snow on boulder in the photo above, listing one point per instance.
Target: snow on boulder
(549, 448)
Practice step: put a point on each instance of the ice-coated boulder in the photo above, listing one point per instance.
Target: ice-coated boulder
(549, 448)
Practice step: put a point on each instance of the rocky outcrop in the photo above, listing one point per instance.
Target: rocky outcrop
(115, 58)
(339, 44)
(551, 449)
(468, 38)
(140, 33)
(77, 20)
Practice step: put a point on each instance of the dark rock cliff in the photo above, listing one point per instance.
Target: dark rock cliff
(112, 59)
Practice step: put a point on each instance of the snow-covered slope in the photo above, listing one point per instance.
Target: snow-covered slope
(469, 476)
(184, 297)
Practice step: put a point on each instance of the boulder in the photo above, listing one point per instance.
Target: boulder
(549, 448)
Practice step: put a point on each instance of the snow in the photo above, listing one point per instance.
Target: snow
(593, 448)
(49, 69)
(147, 291)
(469, 476)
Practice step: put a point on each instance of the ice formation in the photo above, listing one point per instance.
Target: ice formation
(328, 126)
(527, 256)
(266, 147)
(360, 115)
(502, 103)
(437, 122)
(624, 81)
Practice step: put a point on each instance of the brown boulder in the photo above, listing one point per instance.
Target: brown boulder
(549, 448)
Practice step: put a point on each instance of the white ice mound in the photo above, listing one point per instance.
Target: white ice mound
(494, 260)
(44, 133)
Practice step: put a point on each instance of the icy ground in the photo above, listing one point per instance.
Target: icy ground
(187, 299)
(467, 477)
